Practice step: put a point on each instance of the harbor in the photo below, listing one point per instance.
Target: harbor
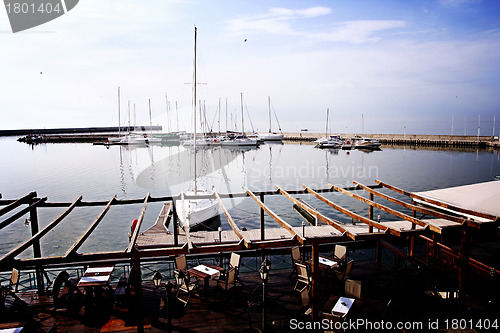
(96, 136)
(437, 252)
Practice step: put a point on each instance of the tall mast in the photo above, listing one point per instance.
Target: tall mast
(194, 108)
(150, 120)
(269, 102)
(119, 120)
(242, 122)
(326, 128)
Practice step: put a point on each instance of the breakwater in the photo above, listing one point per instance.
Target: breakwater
(413, 139)
(77, 130)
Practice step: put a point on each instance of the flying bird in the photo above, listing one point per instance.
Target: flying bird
(245, 40)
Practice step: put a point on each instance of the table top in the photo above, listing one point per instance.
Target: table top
(206, 271)
(96, 276)
(324, 262)
(343, 305)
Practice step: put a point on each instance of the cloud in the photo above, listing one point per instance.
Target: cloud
(457, 3)
(275, 21)
(357, 31)
(281, 21)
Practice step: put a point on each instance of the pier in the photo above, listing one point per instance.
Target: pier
(443, 243)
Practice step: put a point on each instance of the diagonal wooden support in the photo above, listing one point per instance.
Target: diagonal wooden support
(386, 209)
(278, 219)
(92, 227)
(21, 213)
(233, 225)
(133, 239)
(412, 195)
(419, 209)
(41, 233)
(26, 199)
(354, 216)
(337, 225)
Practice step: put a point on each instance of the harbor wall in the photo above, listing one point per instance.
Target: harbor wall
(409, 139)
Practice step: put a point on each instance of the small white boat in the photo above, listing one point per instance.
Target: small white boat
(193, 213)
(333, 141)
(238, 141)
(366, 143)
(271, 136)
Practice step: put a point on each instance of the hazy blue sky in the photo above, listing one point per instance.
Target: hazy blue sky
(399, 63)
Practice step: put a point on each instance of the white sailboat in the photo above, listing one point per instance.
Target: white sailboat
(239, 140)
(329, 141)
(193, 212)
(271, 136)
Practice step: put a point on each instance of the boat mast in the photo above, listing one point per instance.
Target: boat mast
(242, 122)
(150, 120)
(194, 108)
(119, 119)
(326, 129)
(269, 102)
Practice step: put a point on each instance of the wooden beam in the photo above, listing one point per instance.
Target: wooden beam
(92, 227)
(386, 209)
(412, 207)
(233, 225)
(24, 211)
(335, 224)
(442, 204)
(276, 217)
(133, 239)
(41, 233)
(354, 216)
(26, 199)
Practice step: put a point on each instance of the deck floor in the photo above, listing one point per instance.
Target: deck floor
(215, 311)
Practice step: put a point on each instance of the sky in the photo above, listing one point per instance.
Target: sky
(385, 66)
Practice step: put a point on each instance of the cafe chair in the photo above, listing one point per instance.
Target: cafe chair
(306, 301)
(185, 286)
(352, 289)
(333, 322)
(122, 291)
(229, 281)
(343, 273)
(181, 263)
(296, 258)
(303, 277)
(63, 291)
(340, 254)
(235, 262)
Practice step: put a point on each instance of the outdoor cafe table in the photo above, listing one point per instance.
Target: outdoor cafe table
(206, 272)
(339, 305)
(324, 263)
(94, 279)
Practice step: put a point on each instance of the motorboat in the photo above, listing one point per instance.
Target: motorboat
(332, 141)
(366, 143)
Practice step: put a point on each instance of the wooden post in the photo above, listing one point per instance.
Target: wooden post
(370, 211)
(463, 266)
(37, 252)
(315, 278)
(262, 212)
(136, 291)
(176, 224)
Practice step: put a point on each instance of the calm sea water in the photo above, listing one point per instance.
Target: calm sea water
(63, 172)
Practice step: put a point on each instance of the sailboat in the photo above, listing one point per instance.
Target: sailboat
(239, 140)
(194, 212)
(329, 141)
(271, 136)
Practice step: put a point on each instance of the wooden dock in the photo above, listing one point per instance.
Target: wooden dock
(444, 220)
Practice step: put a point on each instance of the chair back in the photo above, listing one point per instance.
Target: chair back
(302, 271)
(234, 261)
(353, 289)
(181, 262)
(296, 254)
(304, 296)
(14, 280)
(231, 276)
(340, 252)
(332, 319)
(348, 269)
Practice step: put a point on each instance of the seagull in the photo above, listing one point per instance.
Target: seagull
(245, 40)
